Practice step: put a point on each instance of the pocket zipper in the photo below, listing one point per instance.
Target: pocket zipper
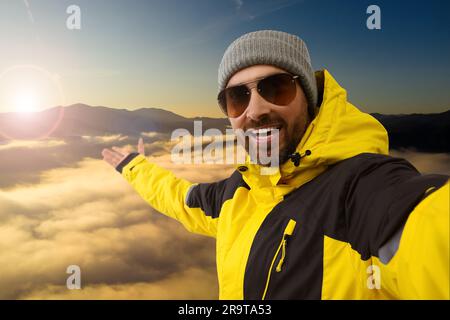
(282, 246)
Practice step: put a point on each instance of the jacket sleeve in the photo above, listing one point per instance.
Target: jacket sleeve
(390, 204)
(420, 267)
(166, 193)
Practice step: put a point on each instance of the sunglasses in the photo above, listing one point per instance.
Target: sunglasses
(278, 89)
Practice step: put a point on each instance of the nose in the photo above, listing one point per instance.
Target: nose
(257, 106)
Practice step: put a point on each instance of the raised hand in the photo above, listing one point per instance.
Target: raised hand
(116, 155)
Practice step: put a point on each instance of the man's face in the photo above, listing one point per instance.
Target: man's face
(292, 119)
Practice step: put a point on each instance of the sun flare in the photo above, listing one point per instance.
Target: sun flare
(25, 102)
(26, 91)
(29, 89)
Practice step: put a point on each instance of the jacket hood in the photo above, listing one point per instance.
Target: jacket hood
(339, 131)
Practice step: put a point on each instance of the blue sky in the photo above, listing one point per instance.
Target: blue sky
(132, 54)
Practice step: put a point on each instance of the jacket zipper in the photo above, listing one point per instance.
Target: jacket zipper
(282, 246)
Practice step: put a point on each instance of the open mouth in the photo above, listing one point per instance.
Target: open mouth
(264, 134)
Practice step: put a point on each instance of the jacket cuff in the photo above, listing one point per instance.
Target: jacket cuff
(125, 161)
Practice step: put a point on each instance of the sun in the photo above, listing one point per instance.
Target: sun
(29, 89)
(25, 101)
(26, 92)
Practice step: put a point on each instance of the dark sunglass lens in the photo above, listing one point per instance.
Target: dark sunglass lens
(221, 98)
(278, 89)
(237, 99)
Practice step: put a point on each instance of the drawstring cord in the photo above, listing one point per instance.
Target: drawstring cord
(295, 157)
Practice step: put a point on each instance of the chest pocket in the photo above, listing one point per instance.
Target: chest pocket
(288, 231)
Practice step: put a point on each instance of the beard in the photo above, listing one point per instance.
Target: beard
(291, 138)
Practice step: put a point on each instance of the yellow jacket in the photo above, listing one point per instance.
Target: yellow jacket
(319, 234)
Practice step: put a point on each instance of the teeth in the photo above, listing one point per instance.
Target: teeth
(264, 131)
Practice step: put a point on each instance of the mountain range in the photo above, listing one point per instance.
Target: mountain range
(420, 132)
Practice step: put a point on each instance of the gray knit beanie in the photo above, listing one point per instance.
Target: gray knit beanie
(280, 49)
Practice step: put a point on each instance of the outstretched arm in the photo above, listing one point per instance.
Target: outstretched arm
(420, 267)
(160, 188)
(398, 219)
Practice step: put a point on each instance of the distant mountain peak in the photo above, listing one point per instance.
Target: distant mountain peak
(423, 132)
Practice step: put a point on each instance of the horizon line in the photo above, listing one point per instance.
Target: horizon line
(170, 111)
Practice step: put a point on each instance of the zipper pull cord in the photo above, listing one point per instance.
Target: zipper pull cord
(283, 254)
(287, 233)
(282, 246)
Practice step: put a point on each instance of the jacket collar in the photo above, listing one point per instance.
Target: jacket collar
(339, 131)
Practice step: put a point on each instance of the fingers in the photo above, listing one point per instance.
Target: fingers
(112, 157)
(116, 155)
(141, 148)
(119, 150)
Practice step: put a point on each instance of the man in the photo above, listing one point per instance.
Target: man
(338, 219)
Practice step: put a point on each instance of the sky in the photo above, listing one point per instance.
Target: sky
(165, 54)
(134, 54)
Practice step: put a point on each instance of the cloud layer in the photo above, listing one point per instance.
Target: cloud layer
(87, 215)
(79, 211)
